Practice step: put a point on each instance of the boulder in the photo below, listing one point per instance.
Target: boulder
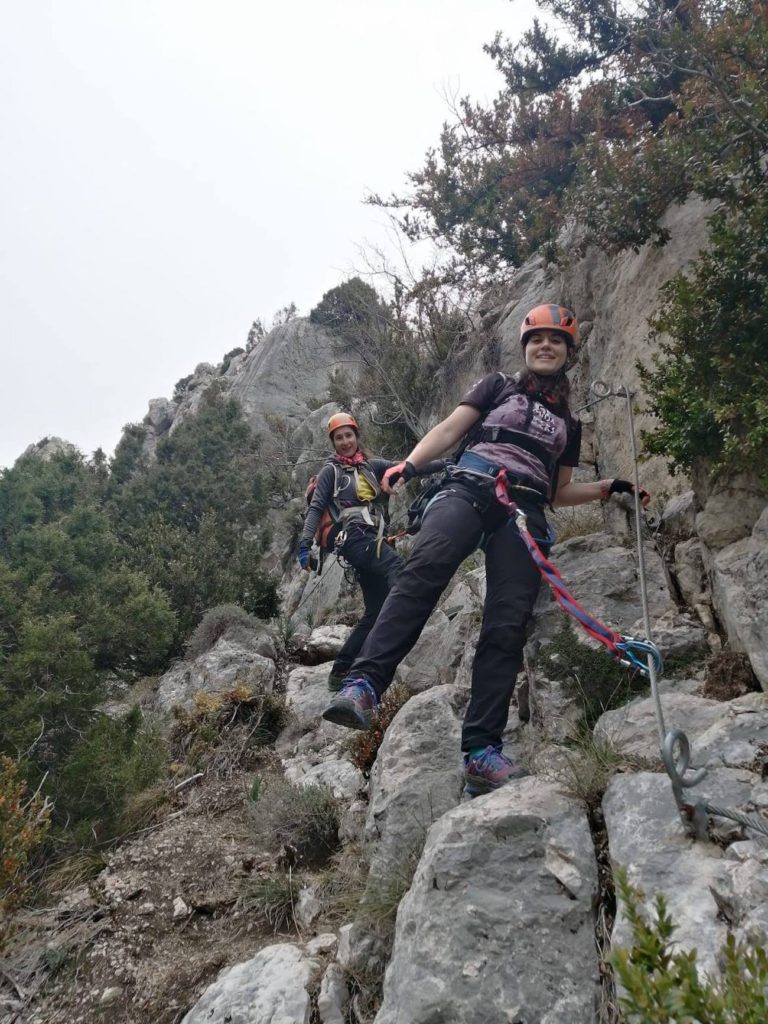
(229, 663)
(602, 575)
(689, 570)
(632, 728)
(740, 595)
(341, 777)
(271, 988)
(678, 518)
(417, 776)
(498, 922)
(307, 696)
(646, 837)
(730, 512)
(326, 642)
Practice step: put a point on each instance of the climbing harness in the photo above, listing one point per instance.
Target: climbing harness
(675, 746)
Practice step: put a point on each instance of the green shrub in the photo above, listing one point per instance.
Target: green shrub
(709, 383)
(224, 618)
(304, 819)
(116, 759)
(591, 676)
(663, 985)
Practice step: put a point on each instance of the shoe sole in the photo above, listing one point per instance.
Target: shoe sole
(346, 714)
(477, 786)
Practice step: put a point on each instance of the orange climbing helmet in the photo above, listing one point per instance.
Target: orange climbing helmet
(342, 419)
(553, 318)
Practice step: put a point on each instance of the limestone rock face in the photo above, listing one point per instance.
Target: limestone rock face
(613, 295)
(284, 369)
(647, 838)
(499, 916)
(740, 595)
(632, 728)
(47, 447)
(227, 664)
(416, 777)
(158, 420)
(272, 988)
(602, 574)
(731, 510)
(679, 516)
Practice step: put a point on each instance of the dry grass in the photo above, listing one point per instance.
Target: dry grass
(363, 746)
(301, 819)
(273, 898)
(577, 521)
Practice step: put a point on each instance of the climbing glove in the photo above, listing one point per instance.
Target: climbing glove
(404, 471)
(304, 555)
(625, 487)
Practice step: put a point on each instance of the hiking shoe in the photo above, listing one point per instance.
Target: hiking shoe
(336, 680)
(354, 704)
(487, 770)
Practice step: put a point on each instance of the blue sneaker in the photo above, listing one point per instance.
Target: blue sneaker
(354, 704)
(487, 769)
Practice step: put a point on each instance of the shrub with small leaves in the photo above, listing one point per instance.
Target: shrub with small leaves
(304, 819)
(23, 825)
(223, 730)
(591, 677)
(224, 619)
(663, 985)
(363, 746)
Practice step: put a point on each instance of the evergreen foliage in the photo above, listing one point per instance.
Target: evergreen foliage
(709, 383)
(594, 679)
(104, 571)
(191, 520)
(642, 105)
(663, 985)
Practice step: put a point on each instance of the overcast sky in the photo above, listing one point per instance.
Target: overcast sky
(173, 169)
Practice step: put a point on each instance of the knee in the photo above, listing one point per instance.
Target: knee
(432, 563)
(506, 636)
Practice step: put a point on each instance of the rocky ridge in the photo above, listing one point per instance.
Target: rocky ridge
(500, 899)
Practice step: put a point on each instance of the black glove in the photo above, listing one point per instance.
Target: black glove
(402, 471)
(625, 487)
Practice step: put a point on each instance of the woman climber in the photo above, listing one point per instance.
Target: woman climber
(521, 437)
(348, 514)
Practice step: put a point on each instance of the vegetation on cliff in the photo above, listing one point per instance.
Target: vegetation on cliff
(602, 122)
(104, 572)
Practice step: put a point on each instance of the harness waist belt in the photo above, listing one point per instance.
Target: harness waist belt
(478, 466)
(521, 440)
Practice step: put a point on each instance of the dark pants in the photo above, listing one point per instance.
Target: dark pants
(452, 528)
(376, 574)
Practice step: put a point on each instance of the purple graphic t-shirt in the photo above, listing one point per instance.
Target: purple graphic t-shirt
(497, 397)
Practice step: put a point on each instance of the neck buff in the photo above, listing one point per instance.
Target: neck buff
(544, 386)
(351, 460)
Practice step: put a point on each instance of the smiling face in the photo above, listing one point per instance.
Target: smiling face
(546, 351)
(345, 441)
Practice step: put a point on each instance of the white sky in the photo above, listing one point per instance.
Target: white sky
(173, 169)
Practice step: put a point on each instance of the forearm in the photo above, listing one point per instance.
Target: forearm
(573, 493)
(444, 436)
(435, 466)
